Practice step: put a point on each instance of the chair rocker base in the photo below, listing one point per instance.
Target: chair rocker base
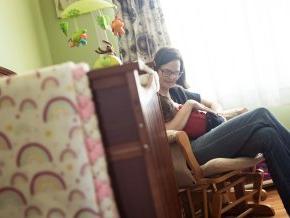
(254, 210)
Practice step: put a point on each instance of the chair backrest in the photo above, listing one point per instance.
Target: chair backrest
(183, 174)
(187, 169)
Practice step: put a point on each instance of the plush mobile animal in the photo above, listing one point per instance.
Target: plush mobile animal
(118, 26)
(78, 38)
(103, 21)
(64, 27)
(107, 57)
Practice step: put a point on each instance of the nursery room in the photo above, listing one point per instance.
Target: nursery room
(144, 109)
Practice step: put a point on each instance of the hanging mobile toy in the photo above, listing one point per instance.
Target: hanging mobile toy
(103, 21)
(107, 57)
(64, 27)
(118, 26)
(78, 38)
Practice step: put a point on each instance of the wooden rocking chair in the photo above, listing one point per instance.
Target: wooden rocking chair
(216, 185)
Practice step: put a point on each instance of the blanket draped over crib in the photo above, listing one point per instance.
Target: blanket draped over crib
(52, 163)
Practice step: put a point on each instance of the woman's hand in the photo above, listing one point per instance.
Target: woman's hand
(213, 105)
(194, 105)
(198, 106)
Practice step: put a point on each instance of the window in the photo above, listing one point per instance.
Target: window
(235, 51)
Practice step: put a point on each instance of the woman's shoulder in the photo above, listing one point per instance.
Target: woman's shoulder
(180, 94)
(177, 89)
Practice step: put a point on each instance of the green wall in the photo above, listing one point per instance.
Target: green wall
(283, 114)
(31, 38)
(24, 44)
(60, 52)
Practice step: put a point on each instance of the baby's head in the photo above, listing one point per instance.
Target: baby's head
(167, 107)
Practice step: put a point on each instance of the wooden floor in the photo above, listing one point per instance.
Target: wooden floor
(274, 200)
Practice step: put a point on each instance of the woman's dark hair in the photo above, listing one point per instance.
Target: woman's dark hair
(166, 55)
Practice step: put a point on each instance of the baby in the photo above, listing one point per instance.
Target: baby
(200, 121)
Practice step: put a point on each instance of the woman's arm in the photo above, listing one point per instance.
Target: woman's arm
(226, 114)
(201, 106)
(181, 117)
(215, 106)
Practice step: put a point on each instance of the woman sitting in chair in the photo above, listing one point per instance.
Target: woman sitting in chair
(247, 135)
(201, 119)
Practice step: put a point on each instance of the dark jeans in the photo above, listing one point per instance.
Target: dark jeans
(213, 120)
(254, 132)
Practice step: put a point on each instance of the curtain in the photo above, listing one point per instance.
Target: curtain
(145, 31)
(235, 51)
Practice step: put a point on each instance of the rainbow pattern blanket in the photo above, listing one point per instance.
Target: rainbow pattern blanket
(52, 163)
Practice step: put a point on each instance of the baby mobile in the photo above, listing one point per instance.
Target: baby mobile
(79, 36)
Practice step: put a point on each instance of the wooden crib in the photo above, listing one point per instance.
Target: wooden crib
(138, 153)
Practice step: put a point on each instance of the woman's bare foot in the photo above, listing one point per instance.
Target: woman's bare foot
(231, 113)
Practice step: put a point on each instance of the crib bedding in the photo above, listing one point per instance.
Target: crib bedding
(52, 162)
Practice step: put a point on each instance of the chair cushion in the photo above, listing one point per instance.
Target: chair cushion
(222, 165)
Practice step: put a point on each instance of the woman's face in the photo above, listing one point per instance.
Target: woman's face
(169, 74)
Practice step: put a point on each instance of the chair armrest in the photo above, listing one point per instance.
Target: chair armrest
(214, 166)
(171, 135)
(181, 138)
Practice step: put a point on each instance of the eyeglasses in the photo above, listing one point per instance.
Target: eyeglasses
(168, 73)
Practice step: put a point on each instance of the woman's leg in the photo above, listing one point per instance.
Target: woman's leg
(247, 135)
(228, 139)
(277, 157)
(266, 115)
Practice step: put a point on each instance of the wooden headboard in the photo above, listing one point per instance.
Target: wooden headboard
(5, 72)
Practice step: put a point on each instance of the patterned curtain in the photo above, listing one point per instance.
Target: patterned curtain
(145, 29)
